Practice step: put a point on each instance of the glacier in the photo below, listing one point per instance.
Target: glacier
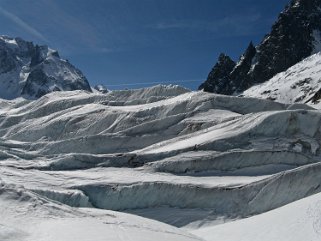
(157, 163)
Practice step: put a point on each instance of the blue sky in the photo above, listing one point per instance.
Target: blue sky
(136, 43)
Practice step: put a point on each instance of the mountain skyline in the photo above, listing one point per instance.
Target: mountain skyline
(293, 37)
(122, 44)
(239, 159)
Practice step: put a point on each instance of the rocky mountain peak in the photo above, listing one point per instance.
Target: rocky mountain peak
(241, 70)
(219, 73)
(294, 36)
(224, 59)
(250, 51)
(32, 71)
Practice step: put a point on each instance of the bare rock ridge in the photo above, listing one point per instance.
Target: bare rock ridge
(294, 36)
(32, 71)
(221, 73)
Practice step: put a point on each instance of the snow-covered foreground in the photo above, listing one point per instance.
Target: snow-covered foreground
(172, 163)
(27, 216)
(297, 221)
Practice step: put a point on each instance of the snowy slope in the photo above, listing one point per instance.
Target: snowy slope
(27, 216)
(187, 159)
(299, 84)
(294, 222)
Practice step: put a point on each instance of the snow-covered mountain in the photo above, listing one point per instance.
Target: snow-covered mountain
(301, 83)
(179, 162)
(295, 35)
(165, 163)
(32, 71)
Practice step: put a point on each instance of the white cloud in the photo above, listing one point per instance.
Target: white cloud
(234, 25)
(22, 24)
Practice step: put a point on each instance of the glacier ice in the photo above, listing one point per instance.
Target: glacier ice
(69, 155)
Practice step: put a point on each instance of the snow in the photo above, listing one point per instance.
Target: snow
(26, 216)
(298, 84)
(294, 222)
(11, 42)
(160, 163)
(296, 4)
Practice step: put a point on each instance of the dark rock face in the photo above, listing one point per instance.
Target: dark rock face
(219, 78)
(293, 37)
(240, 72)
(37, 56)
(7, 62)
(32, 71)
(37, 84)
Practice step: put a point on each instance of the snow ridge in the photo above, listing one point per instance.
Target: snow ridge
(188, 159)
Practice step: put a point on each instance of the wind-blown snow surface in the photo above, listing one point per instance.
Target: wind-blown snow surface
(188, 159)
